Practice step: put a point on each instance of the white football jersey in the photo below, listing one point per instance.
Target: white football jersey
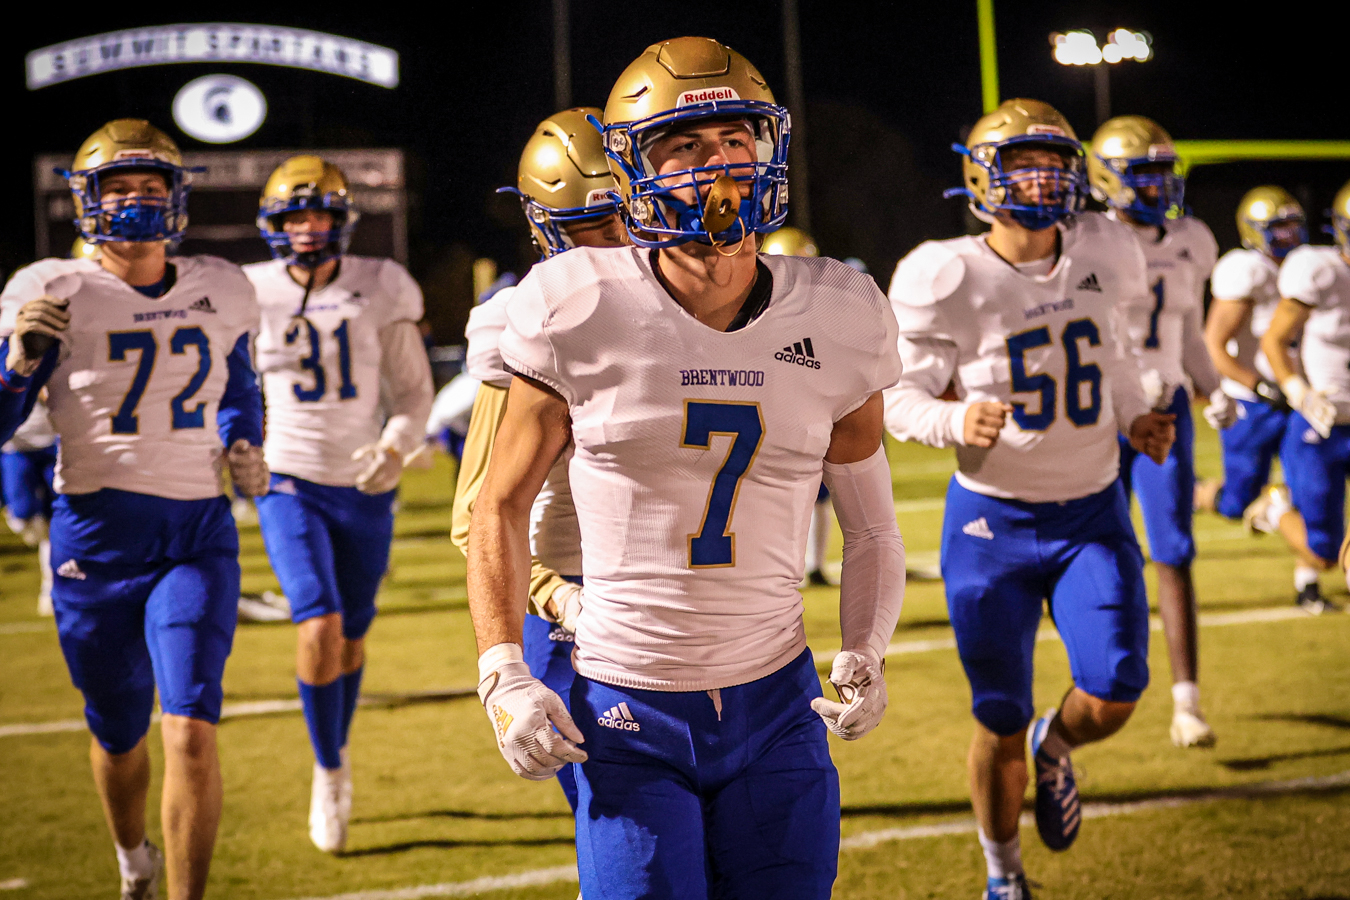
(555, 535)
(1170, 335)
(698, 453)
(36, 432)
(1319, 277)
(135, 394)
(1249, 275)
(321, 381)
(1052, 346)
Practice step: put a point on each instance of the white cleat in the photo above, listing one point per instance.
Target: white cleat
(145, 888)
(1262, 515)
(1189, 729)
(328, 814)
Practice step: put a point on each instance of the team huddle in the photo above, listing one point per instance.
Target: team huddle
(653, 389)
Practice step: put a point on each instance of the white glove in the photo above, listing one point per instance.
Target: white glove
(248, 471)
(38, 323)
(383, 470)
(1221, 411)
(565, 606)
(523, 713)
(1157, 392)
(859, 679)
(1312, 405)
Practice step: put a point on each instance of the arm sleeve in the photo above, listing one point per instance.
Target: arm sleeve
(406, 374)
(489, 406)
(872, 588)
(488, 409)
(1125, 361)
(913, 410)
(18, 394)
(240, 416)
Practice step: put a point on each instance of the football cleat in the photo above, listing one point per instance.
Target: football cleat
(1058, 813)
(1189, 729)
(1014, 887)
(1262, 515)
(328, 813)
(265, 607)
(1311, 601)
(145, 888)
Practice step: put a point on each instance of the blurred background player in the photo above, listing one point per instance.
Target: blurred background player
(146, 365)
(789, 241)
(1132, 168)
(1271, 223)
(27, 466)
(348, 390)
(1314, 287)
(1020, 321)
(566, 193)
(697, 457)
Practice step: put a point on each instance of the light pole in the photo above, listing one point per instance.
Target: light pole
(1079, 48)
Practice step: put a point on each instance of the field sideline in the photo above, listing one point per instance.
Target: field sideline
(1265, 814)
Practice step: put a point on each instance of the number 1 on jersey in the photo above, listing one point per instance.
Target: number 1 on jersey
(714, 545)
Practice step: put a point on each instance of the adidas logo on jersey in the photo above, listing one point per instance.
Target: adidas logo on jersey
(1090, 283)
(202, 305)
(619, 717)
(801, 353)
(979, 528)
(71, 569)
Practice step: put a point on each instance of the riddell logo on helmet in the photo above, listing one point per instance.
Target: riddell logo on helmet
(598, 197)
(1046, 129)
(133, 154)
(707, 95)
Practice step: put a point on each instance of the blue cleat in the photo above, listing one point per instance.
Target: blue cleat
(1058, 812)
(1013, 887)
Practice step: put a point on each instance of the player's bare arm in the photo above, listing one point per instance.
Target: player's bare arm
(1226, 319)
(1288, 321)
(534, 430)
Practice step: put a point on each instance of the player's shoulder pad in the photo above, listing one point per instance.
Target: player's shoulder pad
(1204, 248)
(1238, 274)
(402, 291)
(1308, 272)
(929, 273)
(34, 280)
(571, 282)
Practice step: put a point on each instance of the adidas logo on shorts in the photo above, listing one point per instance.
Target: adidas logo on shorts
(1090, 283)
(979, 528)
(71, 569)
(800, 352)
(619, 717)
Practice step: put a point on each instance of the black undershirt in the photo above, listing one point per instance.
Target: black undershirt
(755, 303)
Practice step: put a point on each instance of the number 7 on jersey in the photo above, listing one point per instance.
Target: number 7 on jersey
(714, 545)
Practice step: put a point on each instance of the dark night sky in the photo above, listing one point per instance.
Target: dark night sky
(888, 87)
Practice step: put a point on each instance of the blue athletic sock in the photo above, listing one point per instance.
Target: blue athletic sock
(351, 691)
(323, 714)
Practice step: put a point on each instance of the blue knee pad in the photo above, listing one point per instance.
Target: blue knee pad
(1081, 555)
(1249, 446)
(329, 547)
(1316, 469)
(1166, 492)
(144, 608)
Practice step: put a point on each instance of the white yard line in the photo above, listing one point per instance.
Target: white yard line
(867, 839)
(14, 884)
(26, 628)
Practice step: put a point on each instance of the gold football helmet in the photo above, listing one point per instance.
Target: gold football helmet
(300, 183)
(1132, 168)
(992, 189)
(1340, 219)
(675, 82)
(1270, 220)
(123, 145)
(564, 178)
(789, 241)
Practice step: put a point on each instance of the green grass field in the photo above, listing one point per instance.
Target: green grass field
(1264, 814)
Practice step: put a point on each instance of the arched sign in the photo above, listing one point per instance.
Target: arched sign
(212, 43)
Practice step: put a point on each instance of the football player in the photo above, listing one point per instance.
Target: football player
(1024, 322)
(146, 364)
(338, 332)
(1314, 286)
(696, 459)
(789, 241)
(566, 193)
(1271, 223)
(1132, 168)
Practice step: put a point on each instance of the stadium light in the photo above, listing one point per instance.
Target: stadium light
(1079, 48)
